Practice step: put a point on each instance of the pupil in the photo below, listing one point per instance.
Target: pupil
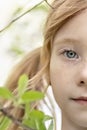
(71, 54)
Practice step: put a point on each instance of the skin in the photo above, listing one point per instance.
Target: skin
(68, 71)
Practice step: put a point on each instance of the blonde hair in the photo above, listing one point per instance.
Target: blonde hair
(36, 63)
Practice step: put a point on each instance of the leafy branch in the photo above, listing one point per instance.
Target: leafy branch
(16, 121)
(33, 119)
(20, 16)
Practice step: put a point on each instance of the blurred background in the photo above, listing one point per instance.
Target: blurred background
(22, 35)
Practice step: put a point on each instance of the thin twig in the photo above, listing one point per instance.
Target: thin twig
(15, 19)
(48, 4)
(16, 121)
(20, 16)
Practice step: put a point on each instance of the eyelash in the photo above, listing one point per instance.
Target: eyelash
(66, 51)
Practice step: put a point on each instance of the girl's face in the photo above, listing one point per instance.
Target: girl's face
(68, 71)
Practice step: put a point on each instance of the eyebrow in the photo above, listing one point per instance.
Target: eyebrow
(67, 40)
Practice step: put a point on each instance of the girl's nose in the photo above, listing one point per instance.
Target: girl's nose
(83, 75)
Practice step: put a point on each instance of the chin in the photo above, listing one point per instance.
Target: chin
(82, 122)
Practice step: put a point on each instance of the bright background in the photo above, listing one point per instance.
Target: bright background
(22, 36)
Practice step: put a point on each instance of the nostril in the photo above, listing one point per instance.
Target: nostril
(82, 82)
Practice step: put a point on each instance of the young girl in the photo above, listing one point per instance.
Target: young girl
(61, 62)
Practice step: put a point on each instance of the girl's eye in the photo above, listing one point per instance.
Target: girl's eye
(70, 54)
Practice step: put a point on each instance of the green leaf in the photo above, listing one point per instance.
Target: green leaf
(43, 7)
(40, 125)
(47, 117)
(51, 126)
(5, 93)
(16, 50)
(22, 84)
(36, 114)
(31, 96)
(27, 111)
(5, 123)
(30, 123)
(35, 120)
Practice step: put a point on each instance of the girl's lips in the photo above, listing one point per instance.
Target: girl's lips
(82, 100)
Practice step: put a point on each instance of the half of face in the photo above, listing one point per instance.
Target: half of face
(68, 70)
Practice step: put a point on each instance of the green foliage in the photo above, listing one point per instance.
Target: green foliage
(22, 84)
(4, 123)
(5, 93)
(33, 118)
(16, 50)
(43, 7)
(32, 96)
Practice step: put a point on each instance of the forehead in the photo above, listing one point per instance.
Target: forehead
(75, 27)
